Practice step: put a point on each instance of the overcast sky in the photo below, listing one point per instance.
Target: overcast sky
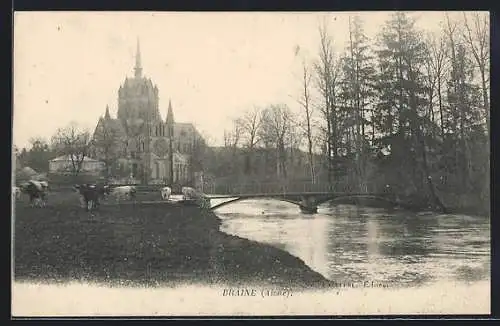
(69, 65)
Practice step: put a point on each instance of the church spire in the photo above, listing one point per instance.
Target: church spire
(170, 119)
(170, 113)
(106, 115)
(138, 65)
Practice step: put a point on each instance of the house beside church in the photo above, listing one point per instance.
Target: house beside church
(64, 164)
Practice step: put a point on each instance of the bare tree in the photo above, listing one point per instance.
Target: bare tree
(453, 87)
(305, 103)
(73, 142)
(295, 140)
(436, 70)
(327, 71)
(460, 93)
(276, 123)
(249, 125)
(232, 138)
(478, 40)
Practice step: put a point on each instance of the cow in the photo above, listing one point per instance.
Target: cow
(189, 193)
(16, 192)
(36, 192)
(123, 192)
(91, 194)
(165, 193)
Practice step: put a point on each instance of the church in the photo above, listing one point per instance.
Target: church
(138, 142)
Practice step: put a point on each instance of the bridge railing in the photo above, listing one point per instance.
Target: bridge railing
(274, 187)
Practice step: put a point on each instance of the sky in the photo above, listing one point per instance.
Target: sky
(68, 66)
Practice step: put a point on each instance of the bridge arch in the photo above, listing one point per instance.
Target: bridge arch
(346, 196)
(321, 199)
(237, 199)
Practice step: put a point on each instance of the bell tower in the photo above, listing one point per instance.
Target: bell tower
(138, 96)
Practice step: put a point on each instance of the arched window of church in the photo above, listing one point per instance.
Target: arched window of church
(163, 130)
(156, 130)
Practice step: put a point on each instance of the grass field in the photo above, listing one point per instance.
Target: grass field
(143, 244)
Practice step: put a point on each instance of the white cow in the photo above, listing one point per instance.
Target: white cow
(123, 192)
(16, 192)
(189, 193)
(36, 191)
(42, 186)
(165, 193)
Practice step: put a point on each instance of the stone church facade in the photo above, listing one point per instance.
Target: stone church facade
(139, 141)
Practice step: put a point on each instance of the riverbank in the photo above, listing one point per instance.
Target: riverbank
(467, 204)
(146, 245)
(454, 204)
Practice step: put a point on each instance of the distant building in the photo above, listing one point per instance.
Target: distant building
(64, 164)
(141, 138)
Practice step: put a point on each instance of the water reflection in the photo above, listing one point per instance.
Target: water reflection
(356, 244)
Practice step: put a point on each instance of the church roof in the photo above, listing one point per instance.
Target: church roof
(183, 129)
(115, 124)
(137, 81)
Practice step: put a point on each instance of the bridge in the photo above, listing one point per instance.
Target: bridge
(308, 202)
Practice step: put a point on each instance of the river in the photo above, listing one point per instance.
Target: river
(350, 244)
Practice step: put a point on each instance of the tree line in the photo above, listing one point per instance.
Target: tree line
(408, 109)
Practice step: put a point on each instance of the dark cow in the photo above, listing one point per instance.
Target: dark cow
(92, 193)
(36, 191)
